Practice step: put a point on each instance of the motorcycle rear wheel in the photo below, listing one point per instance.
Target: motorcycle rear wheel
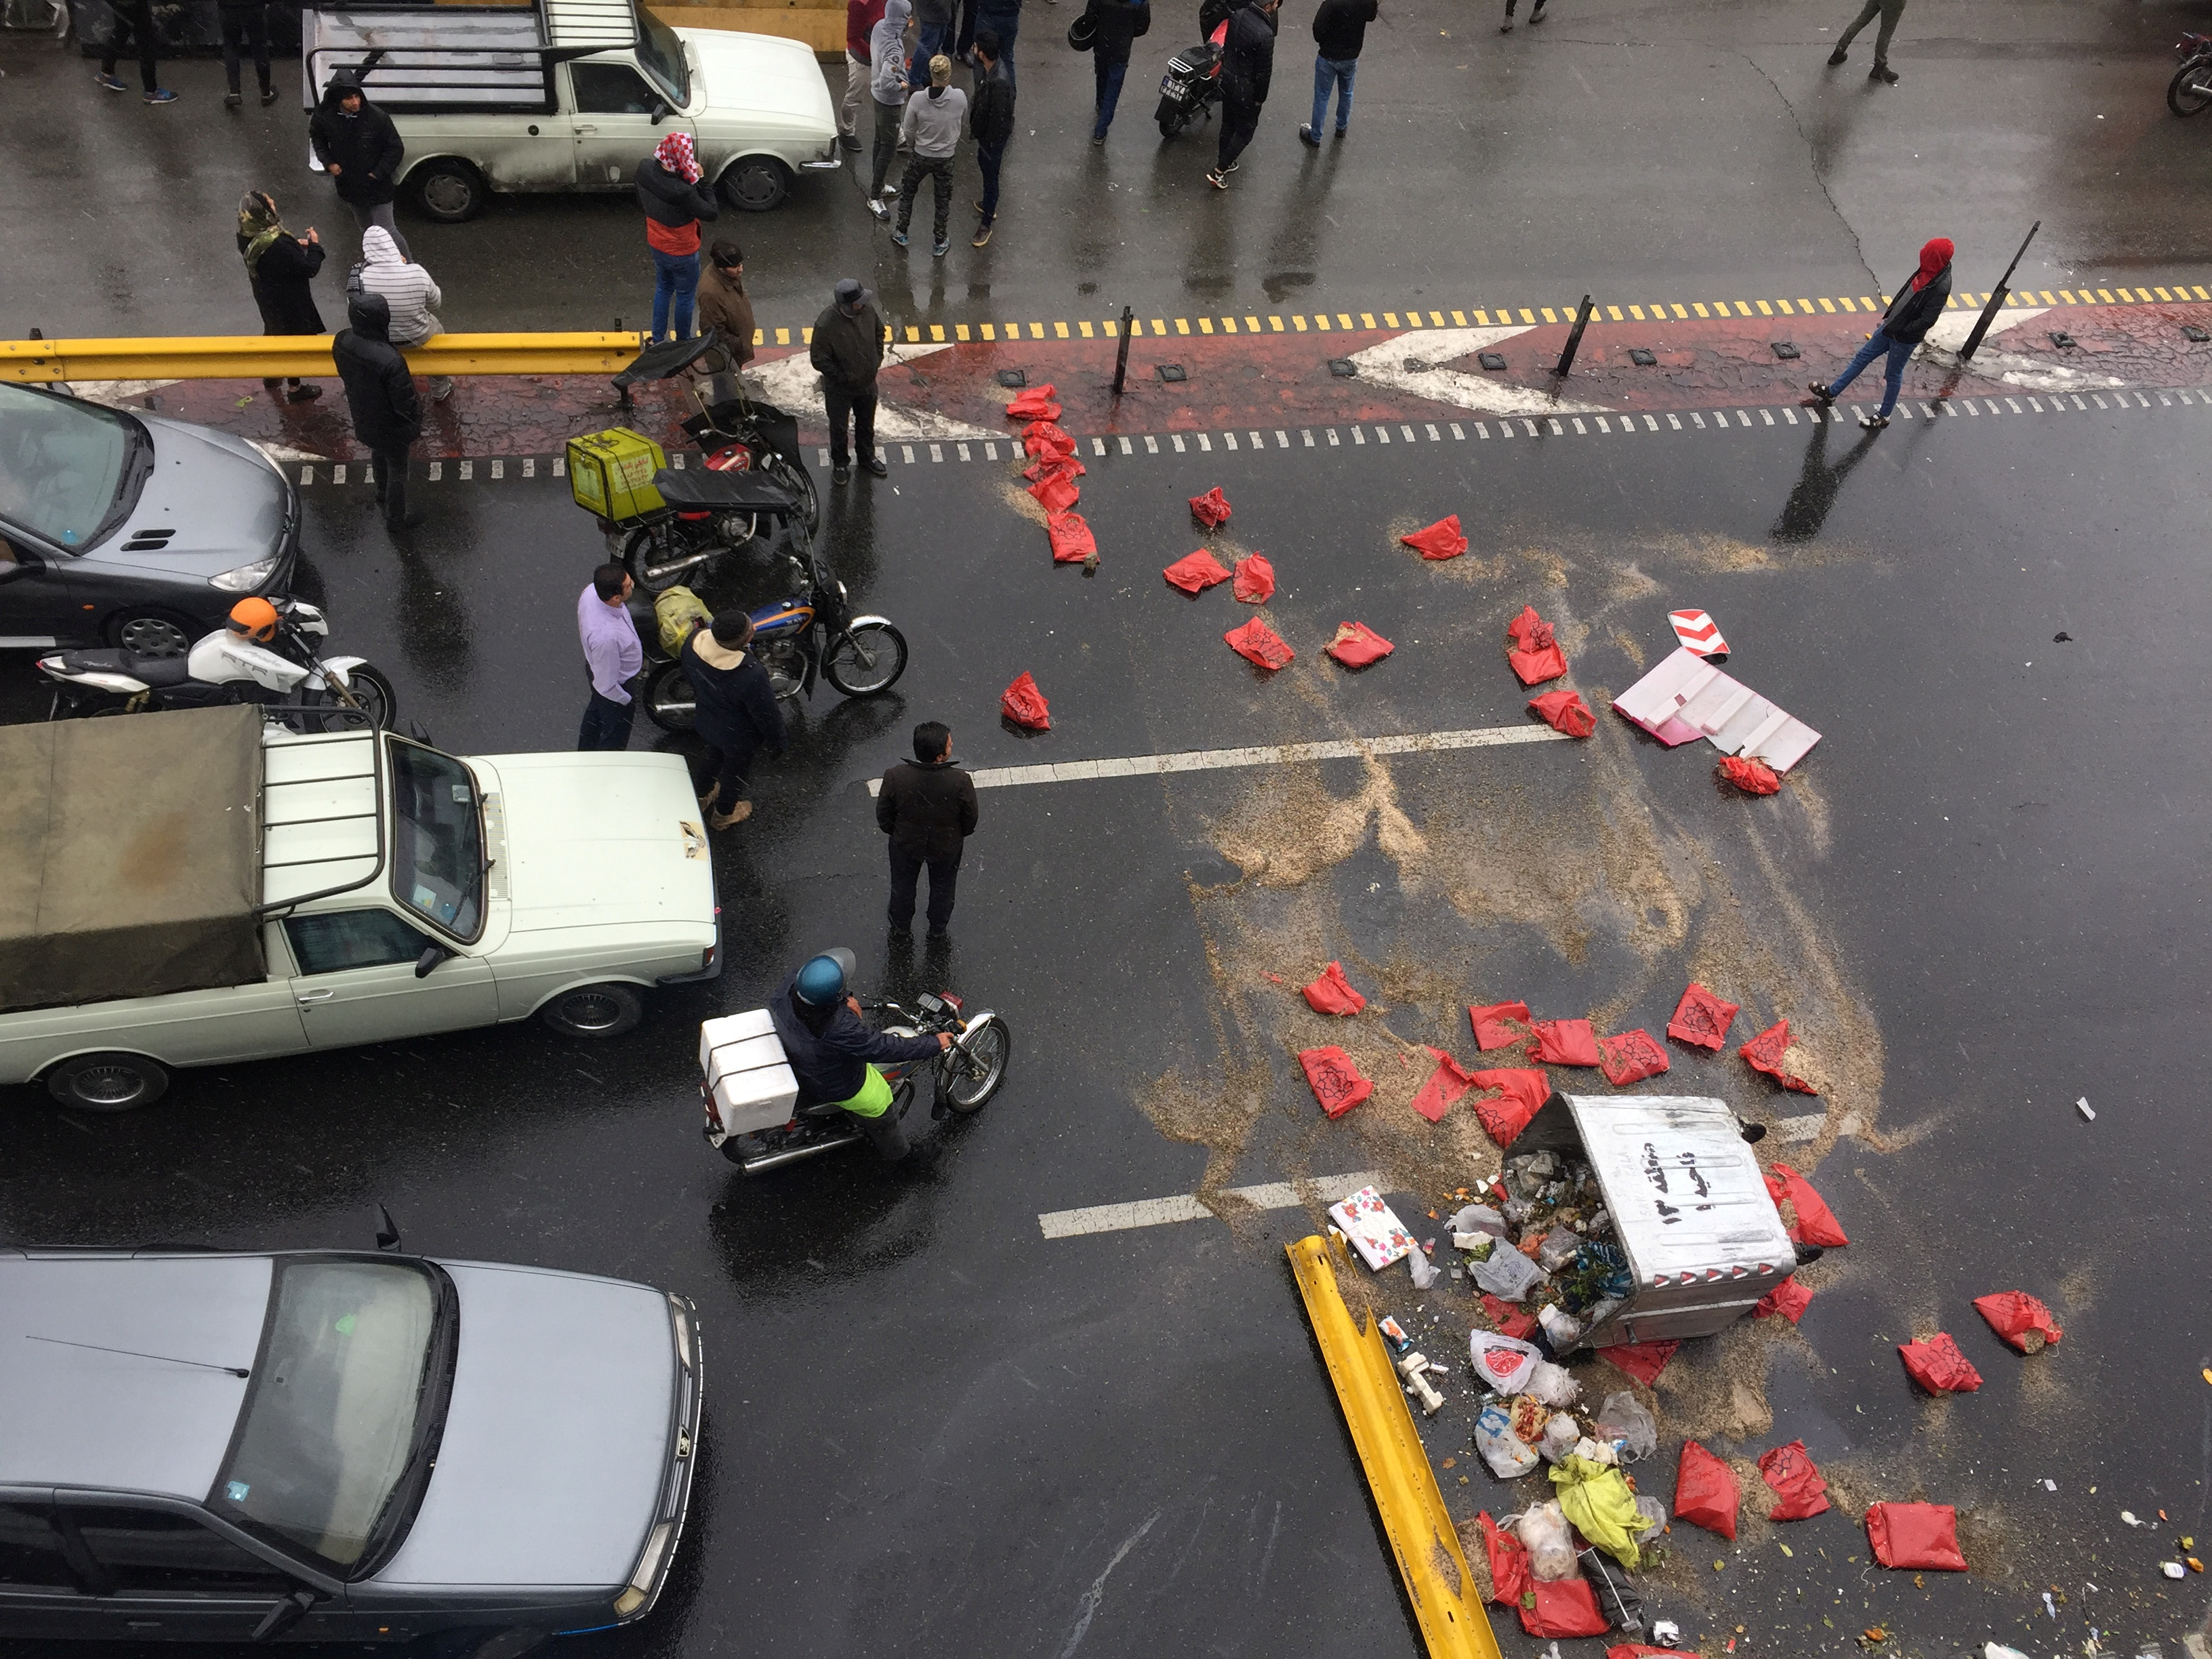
(988, 1051)
(866, 661)
(1170, 125)
(2190, 90)
(640, 554)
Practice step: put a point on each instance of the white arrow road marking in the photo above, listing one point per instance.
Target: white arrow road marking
(1392, 364)
(791, 384)
(116, 394)
(2029, 374)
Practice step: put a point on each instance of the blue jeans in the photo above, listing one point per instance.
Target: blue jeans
(1893, 377)
(1332, 73)
(1111, 76)
(929, 40)
(987, 160)
(675, 280)
(1006, 25)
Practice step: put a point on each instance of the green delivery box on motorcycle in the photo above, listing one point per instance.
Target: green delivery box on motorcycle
(611, 473)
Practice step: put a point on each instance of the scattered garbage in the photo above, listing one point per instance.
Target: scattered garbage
(1653, 1511)
(1788, 1298)
(1597, 1500)
(1642, 1360)
(1562, 1434)
(1553, 1385)
(1522, 1093)
(1394, 1334)
(1072, 540)
(1196, 573)
(1036, 404)
(1508, 1274)
(1508, 1456)
(1055, 491)
(1374, 1231)
(1211, 509)
(2171, 1569)
(1705, 1490)
(1765, 1053)
(2129, 1515)
(1534, 653)
(1425, 1273)
(1816, 1223)
(1999, 1650)
(1335, 1079)
(1937, 1365)
(2088, 1112)
(1565, 711)
(1509, 1577)
(1065, 467)
(1446, 1084)
(1542, 1530)
(1501, 1363)
(1556, 1248)
(1356, 645)
(1923, 1535)
(1259, 644)
(1699, 633)
(1684, 698)
(1332, 994)
(1565, 1043)
(1624, 1422)
(1255, 580)
(1701, 1018)
(1047, 441)
(1754, 777)
(1441, 540)
(1500, 1025)
(1562, 1330)
(1413, 1368)
(1475, 1218)
(1790, 1471)
(1616, 1593)
(1630, 1057)
(1566, 1607)
(1666, 1633)
(1024, 705)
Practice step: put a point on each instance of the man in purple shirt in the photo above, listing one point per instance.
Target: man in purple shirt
(612, 656)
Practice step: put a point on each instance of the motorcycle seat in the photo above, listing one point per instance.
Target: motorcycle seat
(152, 671)
(746, 492)
(1201, 59)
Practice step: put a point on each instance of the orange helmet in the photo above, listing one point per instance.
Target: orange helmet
(254, 618)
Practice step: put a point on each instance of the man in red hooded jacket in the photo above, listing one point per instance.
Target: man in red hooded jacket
(1904, 325)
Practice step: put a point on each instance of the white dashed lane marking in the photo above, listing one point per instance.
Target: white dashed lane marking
(1158, 1211)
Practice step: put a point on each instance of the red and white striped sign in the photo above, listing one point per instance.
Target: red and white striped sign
(1699, 633)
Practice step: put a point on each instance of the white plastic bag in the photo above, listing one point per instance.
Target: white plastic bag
(1622, 1419)
(1478, 1218)
(1500, 1447)
(1503, 1363)
(1508, 1274)
(1653, 1511)
(1543, 1531)
(1551, 1384)
(1558, 1248)
(1561, 1435)
(1424, 1270)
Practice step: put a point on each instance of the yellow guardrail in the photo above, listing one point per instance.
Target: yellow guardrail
(266, 357)
(1422, 1537)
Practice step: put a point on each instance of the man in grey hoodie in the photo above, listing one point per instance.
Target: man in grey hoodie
(932, 126)
(408, 289)
(887, 86)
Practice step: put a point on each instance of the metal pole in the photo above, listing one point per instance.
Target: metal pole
(1575, 339)
(1997, 298)
(1121, 356)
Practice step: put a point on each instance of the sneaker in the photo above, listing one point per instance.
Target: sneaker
(442, 387)
(1505, 27)
(1820, 391)
(840, 474)
(1883, 73)
(1097, 141)
(877, 467)
(938, 248)
(1215, 178)
(233, 99)
(1536, 17)
(982, 236)
(163, 95)
(1874, 423)
(268, 96)
(1838, 55)
(850, 144)
(878, 208)
(1307, 134)
(1231, 167)
(113, 82)
(898, 235)
(303, 394)
(888, 191)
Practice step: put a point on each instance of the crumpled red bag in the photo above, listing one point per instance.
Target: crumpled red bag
(1195, 573)
(1764, 1053)
(1702, 1018)
(1521, 1094)
(1024, 705)
(1211, 509)
(1036, 404)
(1509, 1320)
(1335, 1079)
(1258, 643)
(1922, 1535)
(1510, 1577)
(1564, 1606)
(1788, 1298)
(1441, 540)
(1356, 645)
(1072, 540)
(1788, 1469)
(1535, 654)
(1043, 439)
(1642, 1360)
(1937, 1365)
(1064, 466)
(1255, 580)
(1816, 1223)
(1055, 492)
(1705, 1490)
(1565, 1043)
(1638, 1650)
(1754, 777)
(1331, 994)
(1565, 711)
(1630, 1057)
(1444, 1087)
(1500, 1025)
(2019, 1319)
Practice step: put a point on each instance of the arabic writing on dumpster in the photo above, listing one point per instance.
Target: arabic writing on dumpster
(1655, 1171)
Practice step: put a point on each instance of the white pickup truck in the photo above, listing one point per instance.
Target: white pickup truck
(571, 95)
(196, 888)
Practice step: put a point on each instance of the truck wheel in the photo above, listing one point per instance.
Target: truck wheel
(108, 1082)
(755, 183)
(594, 1011)
(449, 191)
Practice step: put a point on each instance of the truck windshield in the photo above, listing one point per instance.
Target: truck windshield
(69, 471)
(437, 853)
(660, 55)
(340, 1406)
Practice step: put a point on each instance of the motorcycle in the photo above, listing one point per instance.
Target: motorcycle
(285, 678)
(1192, 86)
(2190, 90)
(964, 1077)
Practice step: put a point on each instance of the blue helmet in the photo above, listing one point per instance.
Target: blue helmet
(822, 981)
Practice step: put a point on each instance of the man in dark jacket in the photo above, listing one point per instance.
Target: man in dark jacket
(846, 350)
(831, 1050)
(926, 805)
(1116, 23)
(736, 716)
(932, 38)
(360, 149)
(1247, 67)
(386, 416)
(991, 119)
(1339, 30)
(1904, 325)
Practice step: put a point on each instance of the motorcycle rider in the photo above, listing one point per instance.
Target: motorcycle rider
(830, 1049)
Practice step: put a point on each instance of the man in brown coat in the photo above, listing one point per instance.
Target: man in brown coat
(725, 308)
(926, 805)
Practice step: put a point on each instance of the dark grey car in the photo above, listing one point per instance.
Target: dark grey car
(121, 527)
(323, 1446)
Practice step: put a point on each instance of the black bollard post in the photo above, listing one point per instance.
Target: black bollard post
(1997, 298)
(1575, 339)
(1121, 357)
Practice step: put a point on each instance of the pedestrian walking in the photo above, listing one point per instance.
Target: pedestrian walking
(1889, 11)
(613, 657)
(387, 417)
(1115, 24)
(932, 126)
(280, 268)
(674, 201)
(887, 85)
(409, 293)
(861, 17)
(1912, 313)
(1003, 19)
(1535, 16)
(926, 805)
(847, 351)
(992, 123)
(736, 713)
(933, 21)
(1247, 66)
(245, 23)
(725, 308)
(134, 24)
(1339, 30)
(360, 149)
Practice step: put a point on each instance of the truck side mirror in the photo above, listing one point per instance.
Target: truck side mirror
(431, 956)
(659, 111)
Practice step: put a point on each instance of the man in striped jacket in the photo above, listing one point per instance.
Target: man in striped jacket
(408, 289)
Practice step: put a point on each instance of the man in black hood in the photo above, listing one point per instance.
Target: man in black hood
(360, 149)
(386, 416)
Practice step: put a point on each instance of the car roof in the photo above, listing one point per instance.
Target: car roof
(79, 1413)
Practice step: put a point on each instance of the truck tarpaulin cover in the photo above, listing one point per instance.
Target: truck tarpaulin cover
(1331, 994)
(1925, 1535)
(2019, 1319)
(1500, 1025)
(1255, 580)
(1441, 540)
(1521, 1095)
(1937, 1365)
(1816, 1223)
(133, 856)
(1565, 1043)
(1705, 1492)
(1788, 1469)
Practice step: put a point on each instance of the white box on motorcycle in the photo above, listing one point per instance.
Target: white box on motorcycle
(747, 1077)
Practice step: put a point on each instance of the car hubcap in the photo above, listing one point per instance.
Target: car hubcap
(592, 1012)
(154, 636)
(757, 188)
(447, 195)
(109, 1085)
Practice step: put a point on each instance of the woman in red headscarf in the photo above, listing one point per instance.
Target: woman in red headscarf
(1904, 325)
(674, 201)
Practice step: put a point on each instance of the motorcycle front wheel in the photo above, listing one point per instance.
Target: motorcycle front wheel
(669, 704)
(867, 660)
(378, 703)
(977, 1077)
(2190, 90)
(800, 483)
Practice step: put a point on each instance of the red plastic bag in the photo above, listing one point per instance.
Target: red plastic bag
(1024, 705)
(1565, 711)
(1331, 994)
(1521, 1093)
(1535, 654)
(1509, 1576)
(1754, 777)
(1211, 509)
(1441, 540)
(1705, 1492)
(1065, 467)
(1702, 1018)
(1072, 540)
(1816, 1223)
(1788, 1469)
(1444, 1087)
(1255, 580)
(2019, 1319)
(1764, 1053)
(1630, 1057)
(1335, 1079)
(1196, 573)
(1356, 645)
(1565, 1043)
(1035, 404)
(1638, 1650)
(1642, 1360)
(1509, 1320)
(1937, 1365)
(1788, 1298)
(1044, 439)
(1500, 1025)
(1258, 643)
(1055, 492)
(1922, 1535)
(1564, 1606)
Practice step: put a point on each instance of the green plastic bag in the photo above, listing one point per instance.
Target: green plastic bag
(1599, 1503)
